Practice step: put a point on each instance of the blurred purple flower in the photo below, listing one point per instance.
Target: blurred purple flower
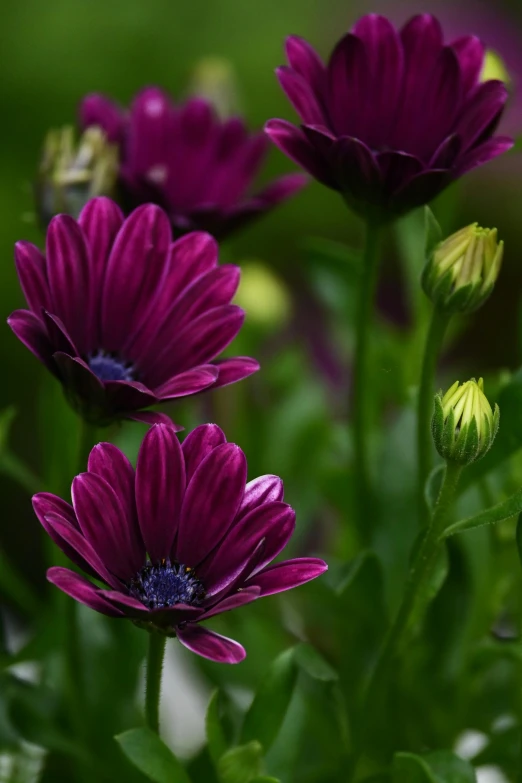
(394, 117)
(177, 541)
(123, 316)
(196, 166)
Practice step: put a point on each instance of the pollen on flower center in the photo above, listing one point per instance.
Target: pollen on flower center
(110, 368)
(166, 584)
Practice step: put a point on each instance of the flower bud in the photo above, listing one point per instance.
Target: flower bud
(215, 80)
(72, 173)
(464, 425)
(462, 270)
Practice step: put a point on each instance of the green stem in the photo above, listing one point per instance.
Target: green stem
(420, 572)
(13, 467)
(434, 339)
(155, 657)
(362, 381)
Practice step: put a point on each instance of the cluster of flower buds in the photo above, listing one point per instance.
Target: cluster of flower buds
(464, 424)
(462, 270)
(72, 172)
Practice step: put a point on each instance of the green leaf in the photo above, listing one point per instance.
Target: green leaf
(519, 537)
(449, 768)
(433, 232)
(408, 768)
(504, 510)
(241, 764)
(312, 662)
(216, 736)
(268, 710)
(150, 755)
(265, 779)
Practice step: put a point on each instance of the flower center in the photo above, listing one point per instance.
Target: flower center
(165, 584)
(110, 368)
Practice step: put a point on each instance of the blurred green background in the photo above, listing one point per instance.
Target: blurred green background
(288, 418)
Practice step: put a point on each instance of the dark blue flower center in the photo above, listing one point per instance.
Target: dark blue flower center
(165, 584)
(110, 368)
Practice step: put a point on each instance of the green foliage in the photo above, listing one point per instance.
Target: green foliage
(241, 764)
(151, 756)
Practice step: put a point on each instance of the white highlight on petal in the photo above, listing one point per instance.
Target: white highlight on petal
(154, 107)
(158, 174)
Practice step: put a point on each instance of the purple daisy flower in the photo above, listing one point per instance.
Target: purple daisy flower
(179, 540)
(123, 316)
(196, 166)
(394, 117)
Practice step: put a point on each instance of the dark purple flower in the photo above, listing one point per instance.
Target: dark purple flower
(179, 540)
(394, 117)
(184, 158)
(123, 316)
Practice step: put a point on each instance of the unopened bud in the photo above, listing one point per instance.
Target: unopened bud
(71, 173)
(215, 80)
(464, 425)
(462, 270)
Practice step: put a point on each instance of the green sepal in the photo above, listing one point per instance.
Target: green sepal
(241, 764)
(433, 232)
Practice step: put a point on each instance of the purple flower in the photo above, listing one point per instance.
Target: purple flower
(177, 541)
(187, 160)
(394, 117)
(123, 316)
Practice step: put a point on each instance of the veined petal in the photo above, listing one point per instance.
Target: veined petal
(198, 444)
(234, 369)
(160, 488)
(107, 461)
(32, 273)
(264, 489)
(188, 382)
(305, 61)
(295, 145)
(240, 598)
(31, 332)
(210, 645)
(301, 95)
(470, 53)
(81, 590)
(288, 574)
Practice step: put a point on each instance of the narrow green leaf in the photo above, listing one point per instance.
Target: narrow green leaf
(433, 485)
(268, 710)
(241, 764)
(433, 231)
(408, 768)
(216, 737)
(313, 663)
(504, 510)
(150, 755)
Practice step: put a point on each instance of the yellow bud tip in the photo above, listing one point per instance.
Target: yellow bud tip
(494, 68)
(263, 295)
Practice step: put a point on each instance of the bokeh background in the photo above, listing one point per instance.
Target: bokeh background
(288, 418)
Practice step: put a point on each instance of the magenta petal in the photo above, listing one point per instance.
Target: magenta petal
(107, 461)
(210, 645)
(421, 189)
(211, 502)
(235, 369)
(300, 95)
(447, 152)
(135, 266)
(240, 598)
(154, 417)
(102, 520)
(160, 487)
(81, 590)
(31, 267)
(348, 87)
(305, 61)
(189, 382)
(295, 145)
(481, 112)
(264, 489)
(188, 260)
(80, 381)
(100, 221)
(98, 110)
(198, 444)
(274, 522)
(31, 332)
(198, 343)
(70, 279)
(385, 62)
(397, 168)
(483, 153)
(128, 395)
(357, 171)
(470, 54)
(69, 539)
(211, 290)
(288, 574)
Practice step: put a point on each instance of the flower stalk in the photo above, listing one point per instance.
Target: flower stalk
(155, 659)
(362, 381)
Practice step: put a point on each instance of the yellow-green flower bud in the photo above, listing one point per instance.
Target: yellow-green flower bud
(73, 172)
(214, 79)
(462, 270)
(464, 425)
